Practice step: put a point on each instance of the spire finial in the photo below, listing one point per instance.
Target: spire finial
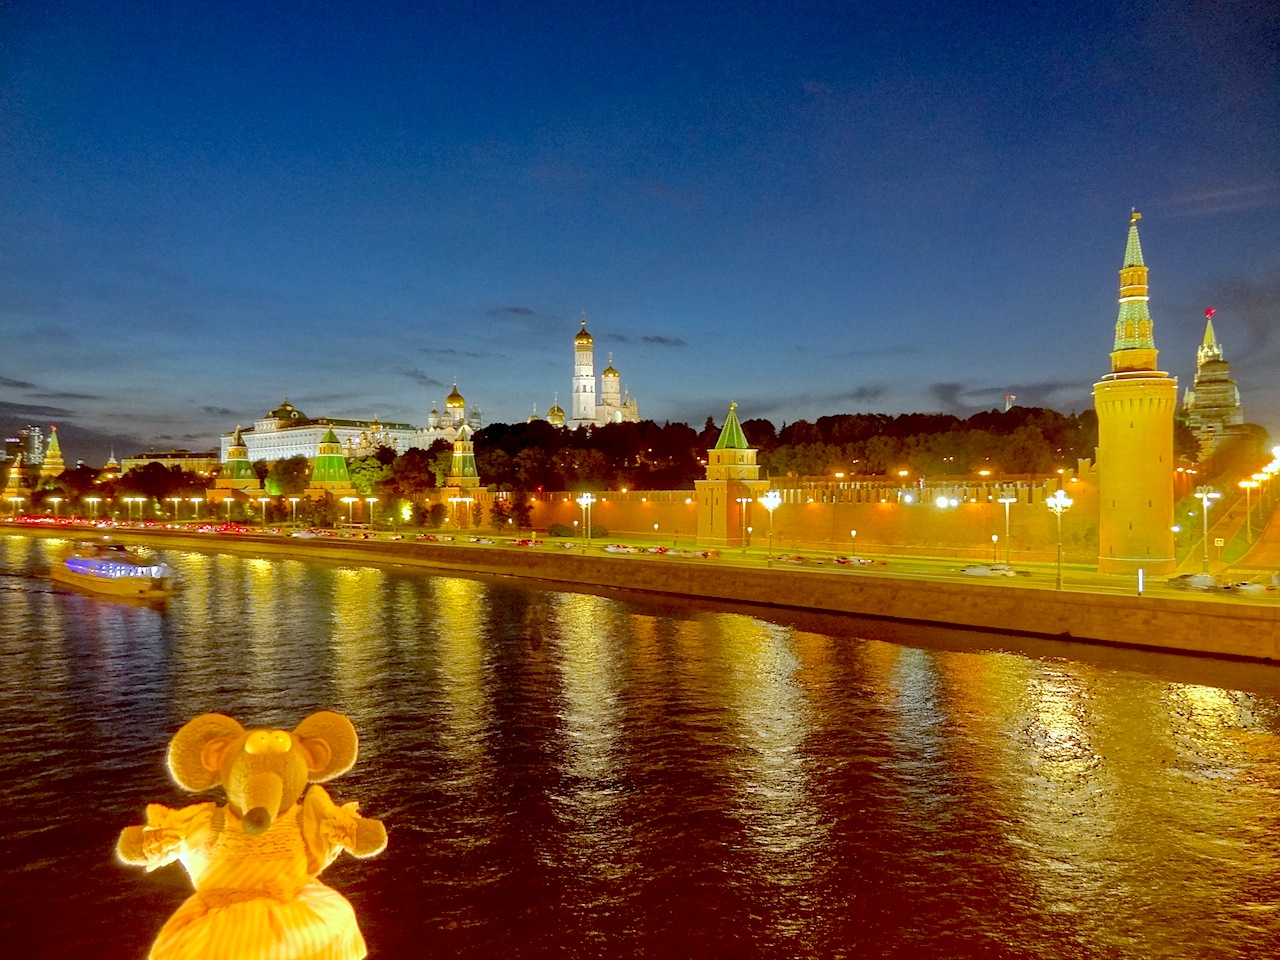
(1134, 215)
(733, 405)
(584, 319)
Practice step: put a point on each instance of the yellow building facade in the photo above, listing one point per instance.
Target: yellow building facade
(1135, 403)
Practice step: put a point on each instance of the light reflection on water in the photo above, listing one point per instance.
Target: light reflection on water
(570, 775)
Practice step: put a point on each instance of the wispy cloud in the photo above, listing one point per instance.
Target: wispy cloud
(1212, 202)
(16, 384)
(513, 312)
(65, 396)
(417, 376)
(660, 341)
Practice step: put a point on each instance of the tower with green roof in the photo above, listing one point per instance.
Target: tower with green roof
(733, 485)
(462, 471)
(1135, 404)
(329, 473)
(53, 465)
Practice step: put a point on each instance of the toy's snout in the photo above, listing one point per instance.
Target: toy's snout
(262, 795)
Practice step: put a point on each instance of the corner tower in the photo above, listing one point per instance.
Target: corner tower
(1135, 404)
(732, 485)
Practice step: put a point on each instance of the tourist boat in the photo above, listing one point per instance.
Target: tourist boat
(111, 569)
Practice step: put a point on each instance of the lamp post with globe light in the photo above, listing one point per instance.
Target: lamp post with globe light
(585, 501)
(1006, 500)
(1248, 486)
(1059, 503)
(1206, 495)
(770, 500)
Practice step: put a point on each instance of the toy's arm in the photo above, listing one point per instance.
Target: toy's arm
(166, 835)
(329, 829)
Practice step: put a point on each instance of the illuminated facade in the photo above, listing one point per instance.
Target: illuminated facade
(445, 427)
(1212, 403)
(614, 405)
(1135, 403)
(53, 464)
(287, 432)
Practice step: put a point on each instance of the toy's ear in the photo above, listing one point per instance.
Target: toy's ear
(329, 743)
(197, 750)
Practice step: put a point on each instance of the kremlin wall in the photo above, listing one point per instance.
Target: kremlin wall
(1121, 515)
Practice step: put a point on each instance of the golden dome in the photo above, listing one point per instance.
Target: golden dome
(610, 372)
(454, 400)
(583, 338)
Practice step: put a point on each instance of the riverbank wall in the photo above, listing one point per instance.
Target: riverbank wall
(1196, 625)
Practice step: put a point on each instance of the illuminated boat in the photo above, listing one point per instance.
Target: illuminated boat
(111, 569)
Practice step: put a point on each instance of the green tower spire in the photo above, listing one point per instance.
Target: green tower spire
(731, 435)
(1135, 346)
(238, 466)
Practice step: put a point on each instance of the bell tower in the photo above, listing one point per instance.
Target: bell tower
(1135, 404)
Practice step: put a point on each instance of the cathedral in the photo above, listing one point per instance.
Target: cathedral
(613, 405)
(1212, 403)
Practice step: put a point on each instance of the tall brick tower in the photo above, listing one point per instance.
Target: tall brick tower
(1135, 404)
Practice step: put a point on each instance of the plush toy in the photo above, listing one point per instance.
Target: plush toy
(254, 861)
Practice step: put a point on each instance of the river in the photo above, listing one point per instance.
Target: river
(577, 775)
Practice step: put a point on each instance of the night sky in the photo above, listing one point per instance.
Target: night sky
(810, 208)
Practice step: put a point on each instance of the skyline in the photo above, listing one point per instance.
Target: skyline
(813, 211)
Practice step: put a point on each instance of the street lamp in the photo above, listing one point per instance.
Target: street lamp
(55, 501)
(175, 501)
(196, 501)
(770, 500)
(293, 510)
(742, 518)
(13, 503)
(1006, 500)
(93, 505)
(263, 501)
(585, 501)
(995, 538)
(1059, 503)
(1205, 495)
(371, 501)
(349, 501)
(1249, 486)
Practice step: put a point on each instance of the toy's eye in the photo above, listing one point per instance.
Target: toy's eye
(259, 742)
(280, 741)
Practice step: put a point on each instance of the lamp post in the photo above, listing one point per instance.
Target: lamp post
(228, 503)
(1205, 495)
(349, 501)
(195, 502)
(55, 501)
(995, 538)
(770, 500)
(263, 501)
(13, 505)
(293, 510)
(1006, 500)
(585, 501)
(371, 501)
(1249, 486)
(742, 518)
(93, 505)
(1059, 503)
(175, 501)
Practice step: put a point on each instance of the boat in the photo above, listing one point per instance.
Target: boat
(112, 569)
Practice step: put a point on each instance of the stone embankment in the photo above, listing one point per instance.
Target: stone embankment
(1198, 625)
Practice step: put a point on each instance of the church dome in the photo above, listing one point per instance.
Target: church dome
(286, 411)
(610, 372)
(583, 339)
(533, 416)
(454, 401)
(555, 416)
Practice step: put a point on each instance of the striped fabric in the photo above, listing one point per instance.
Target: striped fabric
(256, 897)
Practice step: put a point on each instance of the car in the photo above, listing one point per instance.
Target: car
(854, 561)
(621, 548)
(1193, 581)
(989, 570)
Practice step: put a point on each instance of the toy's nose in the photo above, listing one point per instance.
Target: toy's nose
(262, 796)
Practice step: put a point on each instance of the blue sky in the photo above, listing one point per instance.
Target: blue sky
(810, 208)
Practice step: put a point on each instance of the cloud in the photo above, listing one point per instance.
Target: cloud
(864, 394)
(660, 341)
(454, 352)
(16, 384)
(513, 312)
(65, 396)
(219, 411)
(1212, 202)
(417, 376)
(961, 400)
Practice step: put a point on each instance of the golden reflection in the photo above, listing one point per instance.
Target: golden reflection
(591, 718)
(771, 724)
(460, 609)
(359, 632)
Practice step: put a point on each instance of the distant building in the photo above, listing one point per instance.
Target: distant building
(733, 483)
(29, 442)
(287, 432)
(1212, 403)
(613, 405)
(1135, 404)
(446, 426)
(205, 464)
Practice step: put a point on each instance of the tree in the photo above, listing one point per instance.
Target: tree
(499, 513)
(288, 477)
(366, 472)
